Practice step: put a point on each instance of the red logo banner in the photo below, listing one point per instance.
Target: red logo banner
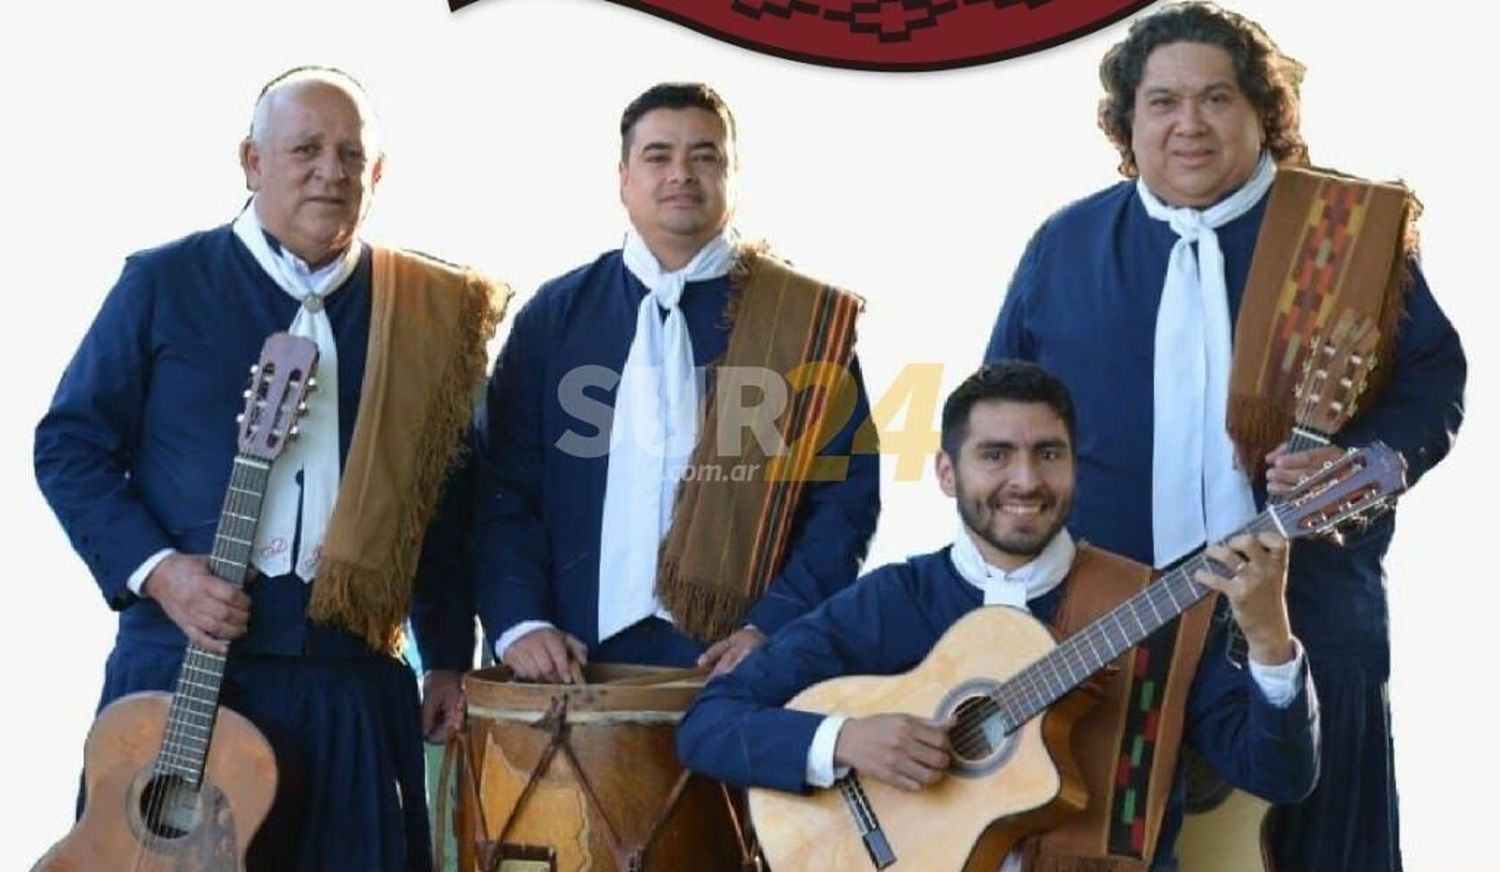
(894, 35)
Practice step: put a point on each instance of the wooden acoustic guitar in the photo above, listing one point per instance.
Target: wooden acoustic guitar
(175, 782)
(1005, 682)
(1226, 829)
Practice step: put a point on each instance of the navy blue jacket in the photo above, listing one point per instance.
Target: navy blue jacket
(888, 621)
(1083, 304)
(537, 521)
(135, 452)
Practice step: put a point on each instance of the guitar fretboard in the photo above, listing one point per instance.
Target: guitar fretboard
(1305, 439)
(1043, 682)
(195, 702)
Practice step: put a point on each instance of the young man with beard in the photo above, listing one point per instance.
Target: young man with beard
(1007, 459)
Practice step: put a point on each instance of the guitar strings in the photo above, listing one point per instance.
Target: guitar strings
(172, 751)
(1034, 686)
(1056, 672)
(241, 501)
(1017, 705)
(1011, 696)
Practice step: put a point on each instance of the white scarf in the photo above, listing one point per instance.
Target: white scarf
(1013, 588)
(1198, 491)
(654, 431)
(315, 453)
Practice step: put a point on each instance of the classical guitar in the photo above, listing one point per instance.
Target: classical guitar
(1226, 829)
(175, 782)
(1012, 772)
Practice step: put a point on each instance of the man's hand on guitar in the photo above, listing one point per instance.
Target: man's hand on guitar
(442, 704)
(210, 610)
(1256, 589)
(727, 653)
(903, 751)
(1284, 470)
(547, 654)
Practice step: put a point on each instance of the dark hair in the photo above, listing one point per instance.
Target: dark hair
(675, 95)
(1269, 79)
(1011, 381)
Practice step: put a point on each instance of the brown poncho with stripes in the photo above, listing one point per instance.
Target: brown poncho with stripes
(731, 524)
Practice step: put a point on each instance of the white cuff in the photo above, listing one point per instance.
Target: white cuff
(1279, 683)
(137, 579)
(820, 769)
(509, 637)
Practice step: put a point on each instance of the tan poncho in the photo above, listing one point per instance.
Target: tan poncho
(429, 323)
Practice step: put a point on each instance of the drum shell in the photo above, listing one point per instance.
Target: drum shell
(622, 738)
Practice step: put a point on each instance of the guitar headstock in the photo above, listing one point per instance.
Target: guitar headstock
(278, 385)
(1335, 373)
(1351, 490)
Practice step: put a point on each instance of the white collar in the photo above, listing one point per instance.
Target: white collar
(1036, 578)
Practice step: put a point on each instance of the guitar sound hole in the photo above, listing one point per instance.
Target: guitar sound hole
(977, 731)
(170, 807)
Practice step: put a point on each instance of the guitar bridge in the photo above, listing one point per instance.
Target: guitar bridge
(865, 821)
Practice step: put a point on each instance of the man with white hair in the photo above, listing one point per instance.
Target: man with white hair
(134, 457)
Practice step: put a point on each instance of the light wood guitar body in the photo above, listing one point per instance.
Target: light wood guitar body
(174, 782)
(971, 818)
(1012, 693)
(211, 830)
(1229, 836)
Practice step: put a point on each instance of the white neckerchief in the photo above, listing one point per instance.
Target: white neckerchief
(1198, 491)
(315, 453)
(1023, 583)
(654, 431)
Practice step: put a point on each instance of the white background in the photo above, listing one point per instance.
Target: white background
(918, 191)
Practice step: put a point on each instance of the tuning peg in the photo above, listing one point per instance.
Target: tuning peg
(293, 432)
(240, 418)
(246, 393)
(255, 369)
(302, 408)
(312, 384)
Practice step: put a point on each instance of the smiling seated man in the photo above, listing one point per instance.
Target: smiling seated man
(1007, 459)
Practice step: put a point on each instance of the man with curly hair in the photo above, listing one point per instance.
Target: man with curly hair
(1177, 305)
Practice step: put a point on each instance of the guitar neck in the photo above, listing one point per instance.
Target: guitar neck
(1039, 685)
(195, 701)
(1305, 438)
